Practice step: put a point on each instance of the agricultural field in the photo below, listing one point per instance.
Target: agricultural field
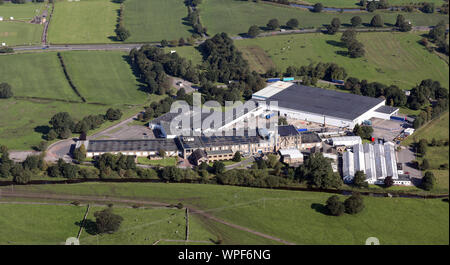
(39, 224)
(153, 21)
(391, 58)
(36, 75)
(411, 221)
(355, 3)
(21, 11)
(20, 33)
(104, 77)
(86, 21)
(236, 17)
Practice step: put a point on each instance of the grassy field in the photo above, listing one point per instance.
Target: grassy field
(20, 33)
(104, 76)
(36, 75)
(291, 215)
(38, 224)
(355, 4)
(87, 21)
(140, 226)
(188, 52)
(391, 58)
(21, 11)
(168, 161)
(150, 21)
(235, 17)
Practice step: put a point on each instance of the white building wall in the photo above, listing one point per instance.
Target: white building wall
(370, 113)
(380, 161)
(347, 166)
(391, 162)
(358, 152)
(369, 161)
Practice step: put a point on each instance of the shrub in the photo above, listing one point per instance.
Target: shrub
(354, 204)
(335, 206)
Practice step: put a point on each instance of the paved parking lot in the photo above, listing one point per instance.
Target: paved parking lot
(127, 131)
(387, 129)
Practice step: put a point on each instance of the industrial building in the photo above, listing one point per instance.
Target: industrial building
(322, 106)
(377, 161)
(345, 140)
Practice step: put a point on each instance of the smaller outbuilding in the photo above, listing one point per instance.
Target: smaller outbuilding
(345, 140)
(291, 156)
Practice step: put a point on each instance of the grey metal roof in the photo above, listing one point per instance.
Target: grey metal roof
(310, 137)
(324, 102)
(131, 145)
(287, 130)
(386, 109)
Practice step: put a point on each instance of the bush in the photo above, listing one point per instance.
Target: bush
(428, 181)
(5, 90)
(335, 206)
(354, 204)
(107, 221)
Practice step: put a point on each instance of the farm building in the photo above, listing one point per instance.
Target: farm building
(322, 106)
(377, 161)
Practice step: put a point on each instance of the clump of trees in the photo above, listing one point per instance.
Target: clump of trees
(292, 23)
(121, 32)
(356, 21)
(311, 73)
(273, 24)
(427, 93)
(364, 131)
(21, 173)
(153, 65)
(427, 8)
(317, 172)
(63, 125)
(438, 35)
(394, 95)
(6, 50)
(253, 31)
(107, 222)
(317, 8)
(359, 179)
(352, 205)
(194, 17)
(377, 21)
(5, 90)
(333, 27)
(355, 48)
(402, 24)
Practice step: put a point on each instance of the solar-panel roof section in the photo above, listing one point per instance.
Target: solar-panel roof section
(324, 102)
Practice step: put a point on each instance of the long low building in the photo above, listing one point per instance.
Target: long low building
(377, 161)
(322, 106)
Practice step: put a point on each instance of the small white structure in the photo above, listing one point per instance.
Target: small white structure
(1, 18)
(408, 131)
(345, 140)
(11, 18)
(3, 44)
(291, 155)
(172, 51)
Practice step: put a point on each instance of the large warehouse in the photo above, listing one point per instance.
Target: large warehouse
(323, 106)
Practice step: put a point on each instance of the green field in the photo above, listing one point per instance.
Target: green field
(104, 77)
(188, 52)
(20, 11)
(20, 33)
(391, 58)
(355, 4)
(36, 75)
(235, 17)
(290, 215)
(168, 161)
(38, 224)
(87, 21)
(153, 21)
